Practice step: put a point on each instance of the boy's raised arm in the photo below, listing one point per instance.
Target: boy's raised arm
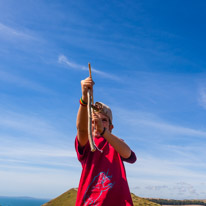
(82, 118)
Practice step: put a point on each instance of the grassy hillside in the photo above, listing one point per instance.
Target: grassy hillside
(138, 201)
(68, 199)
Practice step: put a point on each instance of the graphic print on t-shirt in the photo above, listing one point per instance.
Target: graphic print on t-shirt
(100, 184)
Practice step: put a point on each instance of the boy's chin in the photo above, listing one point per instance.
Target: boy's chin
(95, 134)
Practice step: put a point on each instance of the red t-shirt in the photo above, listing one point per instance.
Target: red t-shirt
(103, 180)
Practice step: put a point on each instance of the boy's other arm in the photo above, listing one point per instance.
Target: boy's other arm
(119, 145)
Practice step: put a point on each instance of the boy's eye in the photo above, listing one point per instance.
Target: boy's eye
(104, 120)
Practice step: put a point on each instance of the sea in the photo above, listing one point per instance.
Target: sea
(21, 201)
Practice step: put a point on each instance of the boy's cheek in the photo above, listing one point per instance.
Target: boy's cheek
(95, 133)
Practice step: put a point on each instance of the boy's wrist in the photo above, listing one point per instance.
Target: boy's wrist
(84, 98)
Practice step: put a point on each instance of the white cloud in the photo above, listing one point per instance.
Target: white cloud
(170, 128)
(28, 125)
(167, 153)
(151, 121)
(41, 182)
(202, 97)
(161, 178)
(166, 170)
(172, 190)
(35, 154)
(35, 150)
(27, 139)
(64, 60)
(7, 32)
(22, 82)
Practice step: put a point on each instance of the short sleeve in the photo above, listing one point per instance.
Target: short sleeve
(81, 151)
(132, 159)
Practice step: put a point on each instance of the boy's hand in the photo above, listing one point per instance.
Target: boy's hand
(98, 125)
(86, 84)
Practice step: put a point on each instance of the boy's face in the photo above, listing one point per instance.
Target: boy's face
(104, 122)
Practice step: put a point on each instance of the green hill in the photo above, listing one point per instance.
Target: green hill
(68, 199)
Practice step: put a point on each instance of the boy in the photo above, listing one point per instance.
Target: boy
(103, 180)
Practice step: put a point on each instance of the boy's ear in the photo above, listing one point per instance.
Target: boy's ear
(111, 126)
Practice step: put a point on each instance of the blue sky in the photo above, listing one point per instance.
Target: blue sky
(148, 62)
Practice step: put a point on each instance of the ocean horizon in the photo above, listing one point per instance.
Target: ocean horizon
(21, 201)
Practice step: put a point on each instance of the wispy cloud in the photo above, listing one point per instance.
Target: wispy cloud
(28, 140)
(159, 168)
(22, 82)
(29, 126)
(176, 190)
(149, 120)
(179, 187)
(169, 158)
(202, 97)
(29, 180)
(35, 150)
(7, 31)
(37, 156)
(166, 127)
(64, 60)
(153, 174)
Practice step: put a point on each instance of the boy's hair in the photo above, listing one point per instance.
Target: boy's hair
(104, 109)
